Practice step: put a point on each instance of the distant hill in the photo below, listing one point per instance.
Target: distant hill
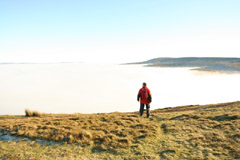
(218, 64)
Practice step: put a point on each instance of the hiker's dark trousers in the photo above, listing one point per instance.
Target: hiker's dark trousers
(142, 109)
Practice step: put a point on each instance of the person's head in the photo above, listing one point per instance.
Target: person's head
(144, 84)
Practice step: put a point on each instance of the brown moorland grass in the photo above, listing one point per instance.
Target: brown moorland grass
(185, 132)
(102, 131)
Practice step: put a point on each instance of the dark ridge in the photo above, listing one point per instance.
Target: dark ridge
(219, 64)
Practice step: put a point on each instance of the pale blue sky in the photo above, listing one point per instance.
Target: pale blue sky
(117, 31)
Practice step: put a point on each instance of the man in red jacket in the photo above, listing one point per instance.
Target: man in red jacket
(145, 97)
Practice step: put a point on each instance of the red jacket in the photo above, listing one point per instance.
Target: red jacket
(145, 95)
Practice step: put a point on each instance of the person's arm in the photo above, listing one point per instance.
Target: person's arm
(149, 96)
(139, 95)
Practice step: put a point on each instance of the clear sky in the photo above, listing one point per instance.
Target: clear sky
(117, 31)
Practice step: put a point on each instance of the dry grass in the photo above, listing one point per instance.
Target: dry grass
(101, 131)
(186, 132)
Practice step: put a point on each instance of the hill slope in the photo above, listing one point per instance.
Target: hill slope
(186, 132)
(218, 64)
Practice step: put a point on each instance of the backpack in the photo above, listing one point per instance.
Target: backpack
(144, 94)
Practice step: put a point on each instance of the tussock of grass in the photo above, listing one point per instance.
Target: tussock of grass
(186, 132)
(29, 113)
(36, 114)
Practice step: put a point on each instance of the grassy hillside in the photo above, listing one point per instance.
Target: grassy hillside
(186, 132)
(218, 64)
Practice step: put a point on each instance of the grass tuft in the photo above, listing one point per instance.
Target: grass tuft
(29, 113)
(36, 114)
